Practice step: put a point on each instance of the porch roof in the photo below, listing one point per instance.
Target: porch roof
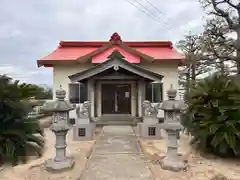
(116, 61)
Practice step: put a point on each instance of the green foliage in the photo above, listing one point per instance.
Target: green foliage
(213, 115)
(19, 135)
(41, 93)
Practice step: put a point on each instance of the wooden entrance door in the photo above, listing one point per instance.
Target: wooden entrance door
(116, 99)
(123, 98)
(108, 98)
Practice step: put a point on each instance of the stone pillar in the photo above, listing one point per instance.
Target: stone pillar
(149, 128)
(133, 99)
(83, 129)
(60, 145)
(172, 148)
(143, 84)
(140, 98)
(60, 127)
(90, 87)
(99, 99)
(172, 109)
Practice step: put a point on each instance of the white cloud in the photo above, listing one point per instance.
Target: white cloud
(9, 32)
(32, 29)
(195, 26)
(25, 75)
(232, 35)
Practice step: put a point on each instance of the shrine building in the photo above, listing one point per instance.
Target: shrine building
(116, 76)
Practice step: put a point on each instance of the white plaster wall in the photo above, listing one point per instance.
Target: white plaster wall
(60, 77)
(170, 72)
(167, 69)
(61, 73)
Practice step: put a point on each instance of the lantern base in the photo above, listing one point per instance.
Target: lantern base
(173, 164)
(53, 166)
(83, 132)
(150, 131)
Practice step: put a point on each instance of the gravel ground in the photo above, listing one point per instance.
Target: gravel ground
(199, 168)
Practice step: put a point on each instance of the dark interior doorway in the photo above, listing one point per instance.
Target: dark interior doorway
(116, 99)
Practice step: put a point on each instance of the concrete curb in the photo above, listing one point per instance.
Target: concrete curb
(89, 154)
(145, 155)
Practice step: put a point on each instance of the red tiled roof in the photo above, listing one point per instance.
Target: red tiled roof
(133, 51)
(102, 56)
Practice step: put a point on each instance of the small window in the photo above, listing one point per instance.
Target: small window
(154, 92)
(148, 92)
(71, 121)
(83, 93)
(152, 131)
(169, 116)
(81, 132)
(157, 92)
(77, 93)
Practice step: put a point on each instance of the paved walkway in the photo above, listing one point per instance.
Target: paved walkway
(117, 156)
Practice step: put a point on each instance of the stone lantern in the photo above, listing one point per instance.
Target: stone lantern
(59, 127)
(172, 110)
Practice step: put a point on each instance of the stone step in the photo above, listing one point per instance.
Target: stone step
(116, 118)
(115, 122)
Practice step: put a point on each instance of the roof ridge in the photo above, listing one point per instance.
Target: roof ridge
(129, 43)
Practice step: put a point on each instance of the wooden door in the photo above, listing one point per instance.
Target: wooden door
(124, 98)
(108, 94)
(116, 99)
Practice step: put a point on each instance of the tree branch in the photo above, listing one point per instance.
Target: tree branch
(225, 58)
(229, 2)
(237, 7)
(222, 13)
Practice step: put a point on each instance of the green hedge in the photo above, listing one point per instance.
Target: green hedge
(213, 115)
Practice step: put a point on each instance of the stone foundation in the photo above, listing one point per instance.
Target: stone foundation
(173, 165)
(52, 165)
(83, 132)
(149, 131)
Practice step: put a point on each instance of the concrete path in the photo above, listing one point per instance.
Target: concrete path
(117, 156)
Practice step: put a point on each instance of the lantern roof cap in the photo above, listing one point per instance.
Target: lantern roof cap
(58, 105)
(172, 104)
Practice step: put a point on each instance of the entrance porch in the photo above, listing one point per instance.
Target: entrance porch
(116, 88)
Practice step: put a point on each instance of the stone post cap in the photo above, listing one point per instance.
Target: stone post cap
(84, 111)
(173, 126)
(146, 103)
(179, 105)
(58, 127)
(86, 104)
(60, 94)
(173, 105)
(58, 105)
(172, 93)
